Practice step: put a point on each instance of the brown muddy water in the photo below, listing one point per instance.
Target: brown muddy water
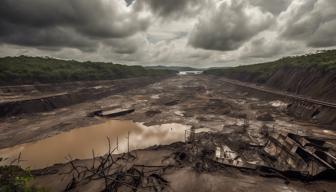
(79, 143)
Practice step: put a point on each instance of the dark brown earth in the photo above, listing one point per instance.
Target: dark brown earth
(206, 103)
(15, 100)
(311, 81)
(179, 174)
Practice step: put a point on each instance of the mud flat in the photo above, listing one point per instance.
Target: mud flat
(168, 168)
(223, 111)
(16, 100)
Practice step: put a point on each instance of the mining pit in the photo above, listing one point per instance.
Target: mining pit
(182, 133)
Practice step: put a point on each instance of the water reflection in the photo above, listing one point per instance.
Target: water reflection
(79, 143)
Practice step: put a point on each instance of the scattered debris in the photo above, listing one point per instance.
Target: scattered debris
(117, 173)
(288, 154)
(308, 156)
(152, 113)
(265, 117)
(114, 112)
(172, 102)
(226, 156)
(278, 103)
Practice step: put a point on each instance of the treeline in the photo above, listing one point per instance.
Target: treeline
(323, 61)
(175, 68)
(27, 70)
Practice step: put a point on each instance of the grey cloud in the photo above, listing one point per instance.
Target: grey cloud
(325, 36)
(311, 21)
(69, 23)
(129, 2)
(172, 8)
(241, 31)
(273, 6)
(127, 45)
(266, 46)
(54, 37)
(229, 27)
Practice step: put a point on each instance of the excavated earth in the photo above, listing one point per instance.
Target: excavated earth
(202, 102)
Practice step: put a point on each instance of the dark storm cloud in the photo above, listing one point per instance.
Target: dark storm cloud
(56, 37)
(312, 22)
(112, 29)
(229, 27)
(74, 23)
(172, 8)
(129, 2)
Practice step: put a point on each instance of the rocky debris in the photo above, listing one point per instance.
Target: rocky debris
(316, 114)
(215, 106)
(152, 113)
(172, 102)
(264, 117)
(238, 114)
(309, 156)
(290, 155)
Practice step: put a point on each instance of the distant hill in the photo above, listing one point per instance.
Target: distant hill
(26, 70)
(175, 68)
(312, 75)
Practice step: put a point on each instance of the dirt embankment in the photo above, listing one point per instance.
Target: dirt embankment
(308, 81)
(312, 82)
(16, 100)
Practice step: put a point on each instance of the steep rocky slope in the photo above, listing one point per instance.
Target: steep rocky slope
(310, 75)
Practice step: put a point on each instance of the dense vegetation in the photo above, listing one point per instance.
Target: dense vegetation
(15, 179)
(323, 60)
(25, 70)
(175, 68)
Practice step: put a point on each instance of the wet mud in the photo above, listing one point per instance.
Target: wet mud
(204, 103)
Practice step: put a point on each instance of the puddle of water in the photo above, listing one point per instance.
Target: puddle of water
(79, 143)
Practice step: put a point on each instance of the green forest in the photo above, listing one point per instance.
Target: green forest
(26, 70)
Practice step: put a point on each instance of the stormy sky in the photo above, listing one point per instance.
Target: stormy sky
(197, 33)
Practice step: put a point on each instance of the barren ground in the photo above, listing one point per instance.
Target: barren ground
(203, 102)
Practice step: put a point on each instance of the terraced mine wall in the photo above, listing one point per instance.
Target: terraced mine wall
(311, 76)
(65, 94)
(298, 108)
(315, 113)
(314, 82)
(307, 82)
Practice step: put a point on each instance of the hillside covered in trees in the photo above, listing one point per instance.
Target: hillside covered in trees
(26, 70)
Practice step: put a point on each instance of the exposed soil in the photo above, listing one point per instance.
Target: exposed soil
(15, 100)
(173, 171)
(203, 102)
(309, 81)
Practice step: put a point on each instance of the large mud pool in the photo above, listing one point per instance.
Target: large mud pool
(83, 143)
